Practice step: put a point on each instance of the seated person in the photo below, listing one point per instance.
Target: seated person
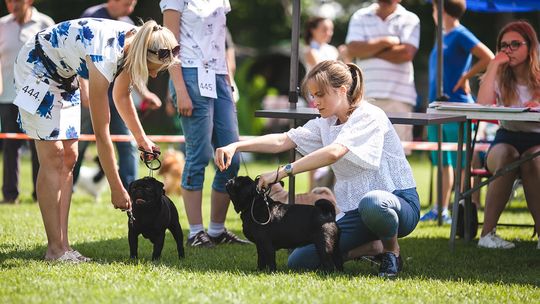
(512, 79)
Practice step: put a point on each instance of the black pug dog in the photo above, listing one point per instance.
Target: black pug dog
(153, 213)
(273, 225)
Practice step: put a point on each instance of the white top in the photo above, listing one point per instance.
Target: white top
(12, 38)
(375, 160)
(68, 43)
(322, 52)
(383, 79)
(202, 32)
(518, 126)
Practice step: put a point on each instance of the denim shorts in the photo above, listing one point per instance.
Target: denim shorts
(522, 141)
(213, 124)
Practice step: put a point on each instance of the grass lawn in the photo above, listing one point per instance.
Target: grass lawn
(432, 273)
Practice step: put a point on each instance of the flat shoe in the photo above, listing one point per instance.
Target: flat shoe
(79, 256)
(67, 257)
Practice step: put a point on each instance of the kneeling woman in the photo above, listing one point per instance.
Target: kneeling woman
(103, 52)
(375, 189)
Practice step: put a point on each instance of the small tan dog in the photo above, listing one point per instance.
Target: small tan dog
(171, 169)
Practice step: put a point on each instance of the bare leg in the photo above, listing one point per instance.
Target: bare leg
(368, 249)
(447, 182)
(49, 184)
(499, 190)
(66, 189)
(193, 206)
(220, 204)
(530, 176)
(391, 245)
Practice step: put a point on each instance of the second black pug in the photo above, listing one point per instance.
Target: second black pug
(154, 213)
(273, 225)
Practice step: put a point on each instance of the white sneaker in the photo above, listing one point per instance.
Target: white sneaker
(492, 240)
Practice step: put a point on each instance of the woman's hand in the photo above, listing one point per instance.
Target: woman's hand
(266, 179)
(148, 146)
(185, 106)
(500, 59)
(120, 199)
(223, 156)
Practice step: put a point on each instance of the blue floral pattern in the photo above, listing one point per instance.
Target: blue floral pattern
(71, 133)
(67, 46)
(45, 107)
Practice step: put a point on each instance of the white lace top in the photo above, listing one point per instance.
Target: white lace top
(375, 160)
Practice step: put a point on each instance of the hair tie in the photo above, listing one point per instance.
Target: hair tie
(354, 76)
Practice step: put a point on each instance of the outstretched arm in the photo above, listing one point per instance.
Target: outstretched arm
(322, 157)
(271, 143)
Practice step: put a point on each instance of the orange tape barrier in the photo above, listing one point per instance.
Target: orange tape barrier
(92, 137)
(412, 145)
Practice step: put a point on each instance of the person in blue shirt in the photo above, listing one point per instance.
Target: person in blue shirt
(459, 46)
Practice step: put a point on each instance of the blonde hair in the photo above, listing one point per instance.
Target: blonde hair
(334, 73)
(149, 36)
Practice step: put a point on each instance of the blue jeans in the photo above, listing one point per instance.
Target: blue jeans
(128, 157)
(213, 124)
(380, 215)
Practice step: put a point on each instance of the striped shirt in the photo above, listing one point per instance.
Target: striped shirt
(384, 79)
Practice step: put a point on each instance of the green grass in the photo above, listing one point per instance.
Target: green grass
(227, 274)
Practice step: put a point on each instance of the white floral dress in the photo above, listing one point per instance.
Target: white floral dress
(66, 46)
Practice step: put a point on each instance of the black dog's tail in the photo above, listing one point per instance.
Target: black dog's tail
(327, 208)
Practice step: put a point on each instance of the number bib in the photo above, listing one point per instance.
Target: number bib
(207, 82)
(30, 96)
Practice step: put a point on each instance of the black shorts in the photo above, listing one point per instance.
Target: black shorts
(522, 141)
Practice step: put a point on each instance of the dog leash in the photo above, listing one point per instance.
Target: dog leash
(264, 193)
(148, 158)
(130, 216)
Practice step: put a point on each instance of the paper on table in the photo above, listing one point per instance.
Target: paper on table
(441, 105)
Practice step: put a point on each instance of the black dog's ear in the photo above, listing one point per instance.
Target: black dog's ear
(159, 190)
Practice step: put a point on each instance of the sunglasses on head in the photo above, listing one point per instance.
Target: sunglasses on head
(512, 45)
(166, 53)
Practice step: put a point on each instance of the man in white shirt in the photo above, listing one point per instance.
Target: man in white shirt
(23, 22)
(384, 38)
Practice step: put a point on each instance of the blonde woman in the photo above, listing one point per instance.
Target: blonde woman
(99, 52)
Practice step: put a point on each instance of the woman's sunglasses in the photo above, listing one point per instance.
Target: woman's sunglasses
(513, 45)
(166, 53)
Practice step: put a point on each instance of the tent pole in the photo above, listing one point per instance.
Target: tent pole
(439, 49)
(293, 84)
